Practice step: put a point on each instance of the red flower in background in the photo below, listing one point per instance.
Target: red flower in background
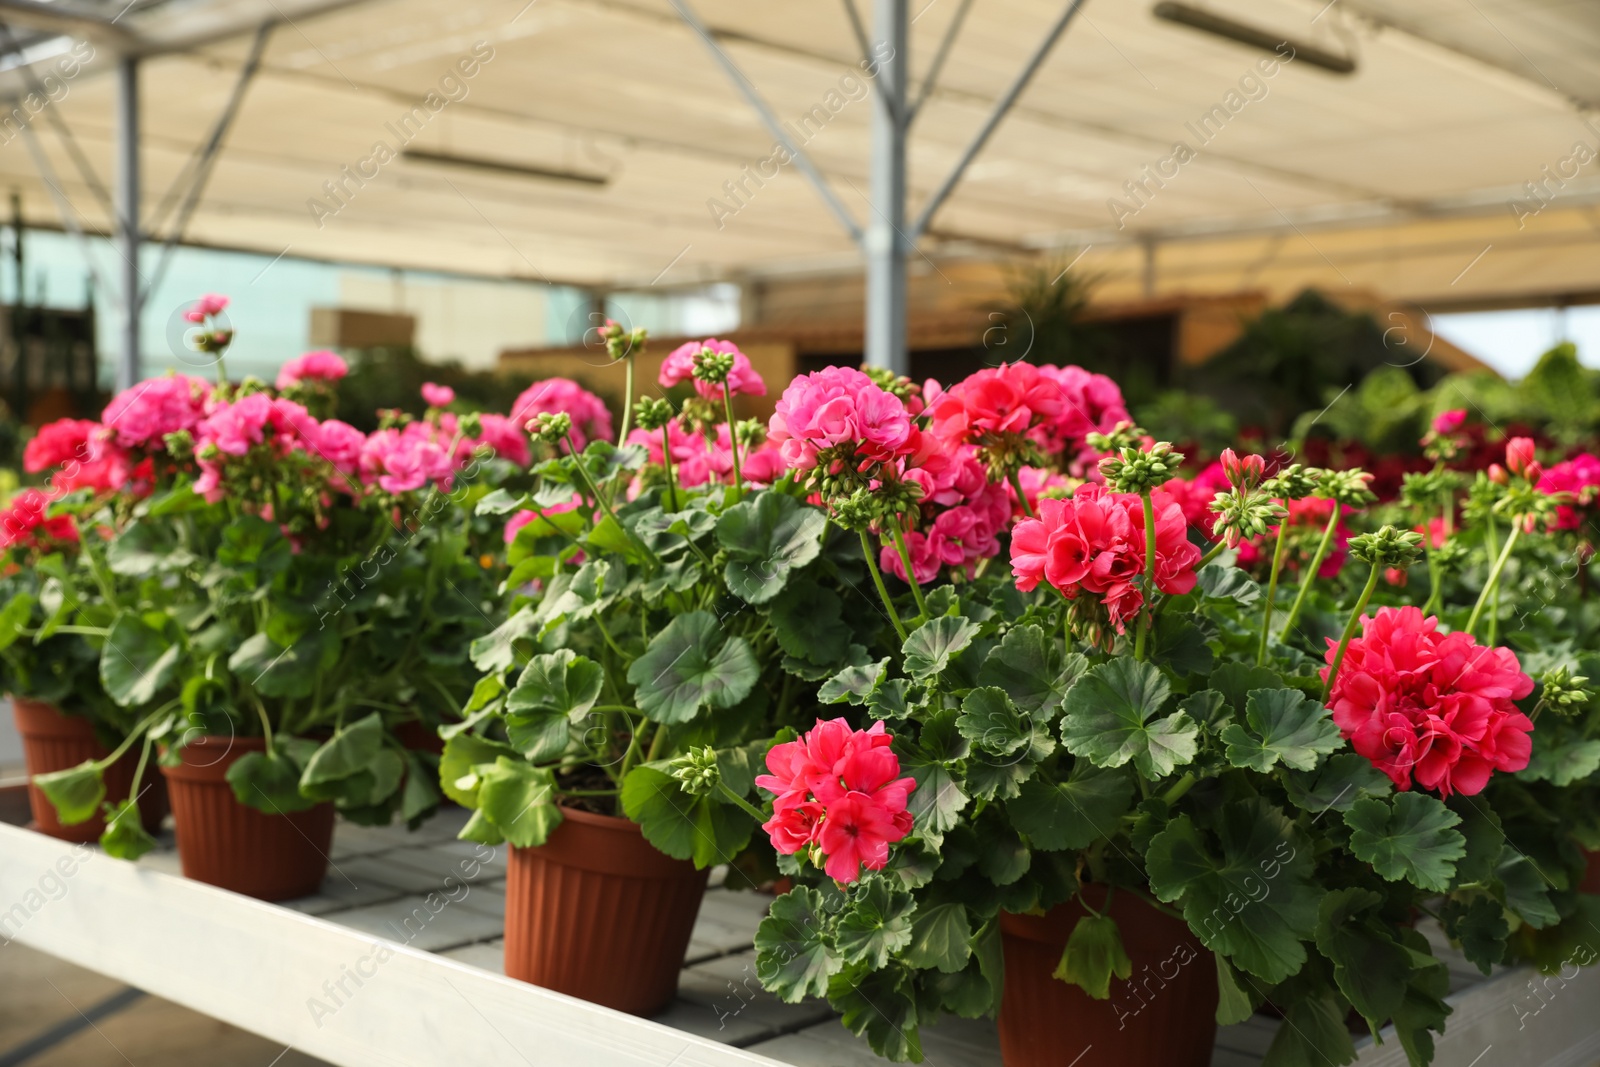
(1579, 478)
(1095, 543)
(1430, 708)
(26, 523)
(838, 789)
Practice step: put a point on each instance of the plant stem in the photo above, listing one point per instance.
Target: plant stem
(655, 744)
(1270, 600)
(1022, 498)
(1178, 789)
(905, 561)
(1216, 550)
(666, 461)
(1145, 618)
(1493, 584)
(627, 397)
(1350, 630)
(1310, 576)
(733, 442)
(749, 809)
(883, 591)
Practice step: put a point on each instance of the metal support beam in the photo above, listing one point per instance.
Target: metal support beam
(65, 18)
(53, 115)
(1001, 107)
(860, 31)
(201, 164)
(931, 78)
(129, 370)
(777, 129)
(886, 243)
(69, 214)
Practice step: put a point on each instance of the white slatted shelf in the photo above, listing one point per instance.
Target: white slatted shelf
(257, 966)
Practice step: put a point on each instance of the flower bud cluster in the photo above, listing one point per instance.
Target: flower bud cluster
(1135, 470)
(1388, 547)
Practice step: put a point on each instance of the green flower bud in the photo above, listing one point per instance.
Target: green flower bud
(1136, 471)
(713, 367)
(550, 427)
(1294, 482)
(696, 771)
(1347, 487)
(652, 412)
(1388, 547)
(1564, 692)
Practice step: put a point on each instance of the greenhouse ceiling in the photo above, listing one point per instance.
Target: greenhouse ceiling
(1432, 149)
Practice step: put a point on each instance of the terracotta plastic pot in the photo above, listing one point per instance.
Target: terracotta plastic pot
(1591, 874)
(223, 843)
(419, 737)
(53, 741)
(596, 912)
(1165, 1014)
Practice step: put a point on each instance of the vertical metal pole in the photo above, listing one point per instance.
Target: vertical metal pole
(885, 241)
(126, 199)
(19, 328)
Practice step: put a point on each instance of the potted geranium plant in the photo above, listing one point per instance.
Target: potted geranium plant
(52, 605)
(1123, 805)
(284, 593)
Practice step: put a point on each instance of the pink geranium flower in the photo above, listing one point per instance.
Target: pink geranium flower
(209, 305)
(841, 416)
(1430, 709)
(679, 367)
(26, 523)
(321, 366)
(438, 396)
(1577, 481)
(142, 415)
(590, 419)
(838, 789)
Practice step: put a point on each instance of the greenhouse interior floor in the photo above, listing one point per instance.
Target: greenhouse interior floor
(379, 879)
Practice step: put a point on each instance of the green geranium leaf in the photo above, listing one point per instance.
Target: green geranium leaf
(1479, 926)
(462, 753)
(1235, 681)
(1003, 857)
(125, 837)
(348, 752)
(1073, 813)
(1344, 779)
(1424, 1009)
(1180, 645)
(562, 682)
(794, 958)
(855, 684)
(1032, 669)
(421, 796)
(520, 799)
(1369, 965)
(1561, 762)
(1486, 839)
(1236, 1000)
(1526, 888)
(1226, 581)
(1249, 895)
(1286, 726)
(539, 735)
(1313, 1035)
(1111, 718)
(1093, 955)
(768, 537)
(929, 650)
(141, 549)
(689, 665)
(498, 502)
(498, 649)
(268, 781)
(1413, 837)
(940, 938)
(808, 620)
(875, 925)
(285, 670)
(138, 660)
(14, 618)
(75, 793)
(880, 1006)
(685, 827)
(936, 803)
(992, 723)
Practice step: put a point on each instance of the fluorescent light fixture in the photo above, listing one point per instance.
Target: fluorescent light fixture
(500, 166)
(1255, 37)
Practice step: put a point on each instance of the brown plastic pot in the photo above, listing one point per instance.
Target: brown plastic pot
(1164, 1014)
(1591, 874)
(419, 737)
(224, 843)
(596, 912)
(54, 741)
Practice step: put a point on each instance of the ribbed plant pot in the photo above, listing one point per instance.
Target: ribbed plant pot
(596, 912)
(1165, 1014)
(224, 843)
(1591, 874)
(53, 741)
